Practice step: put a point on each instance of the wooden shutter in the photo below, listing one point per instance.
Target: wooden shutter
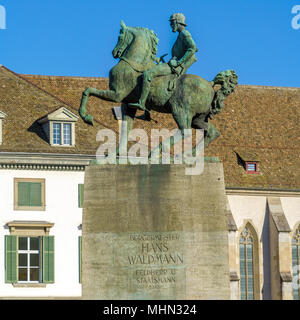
(48, 259)
(80, 257)
(11, 258)
(80, 195)
(29, 194)
(35, 194)
(24, 194)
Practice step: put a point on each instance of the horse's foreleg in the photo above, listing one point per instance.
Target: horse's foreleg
(109, 95)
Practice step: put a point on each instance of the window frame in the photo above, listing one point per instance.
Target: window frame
(17, 207)
(2, 116)
(246, 240)
(255, 258)
(53, 132)
(28, 252)
(295, 245)
(62, 133)
(251, 163)
(30, 229)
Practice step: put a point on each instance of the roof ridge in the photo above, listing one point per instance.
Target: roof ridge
(63, 77)
(267, 87)
(255, 147)
(50, 94)
(37, 76)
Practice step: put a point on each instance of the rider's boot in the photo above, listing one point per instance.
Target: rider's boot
(146, 116)
(145, 92)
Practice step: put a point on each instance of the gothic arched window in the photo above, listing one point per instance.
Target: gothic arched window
(296, 263)
(246, 243)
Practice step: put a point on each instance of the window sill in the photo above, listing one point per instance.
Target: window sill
(63, 145)
(43, 208)
(29, 285)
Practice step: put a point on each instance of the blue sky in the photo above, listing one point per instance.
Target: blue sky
(76, 38)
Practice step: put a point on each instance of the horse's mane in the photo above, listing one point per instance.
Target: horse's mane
(152, 37)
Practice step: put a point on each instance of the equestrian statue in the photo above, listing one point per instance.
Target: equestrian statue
(142, 81)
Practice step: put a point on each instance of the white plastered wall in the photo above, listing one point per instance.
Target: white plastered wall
(62, 210)
(250, 209)
(291, 209)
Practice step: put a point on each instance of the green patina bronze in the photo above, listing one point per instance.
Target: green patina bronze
(142, 81)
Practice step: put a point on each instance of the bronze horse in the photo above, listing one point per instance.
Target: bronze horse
(191, 99)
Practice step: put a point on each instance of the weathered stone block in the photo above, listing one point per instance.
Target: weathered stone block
(152, 232)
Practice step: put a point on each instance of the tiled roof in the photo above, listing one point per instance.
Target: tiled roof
(256, 120)
(24, 104)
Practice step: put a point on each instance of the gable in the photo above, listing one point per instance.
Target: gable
(62, 114)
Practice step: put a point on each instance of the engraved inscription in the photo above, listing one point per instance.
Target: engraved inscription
(155, 249)
(157, 262)
(154, 278)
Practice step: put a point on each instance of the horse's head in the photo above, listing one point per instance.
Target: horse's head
(124, 40)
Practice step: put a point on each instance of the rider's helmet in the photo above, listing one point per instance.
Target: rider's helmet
(179, 17)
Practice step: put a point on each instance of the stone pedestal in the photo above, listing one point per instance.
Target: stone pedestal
(152, 232)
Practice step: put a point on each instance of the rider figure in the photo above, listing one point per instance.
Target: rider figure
(183, 56)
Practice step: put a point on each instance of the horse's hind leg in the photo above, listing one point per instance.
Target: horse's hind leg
(211, 132)
(183, 121)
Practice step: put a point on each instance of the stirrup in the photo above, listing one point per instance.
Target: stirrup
(146, 117)
(138, 106)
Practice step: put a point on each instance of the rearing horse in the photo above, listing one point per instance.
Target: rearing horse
(191, 99)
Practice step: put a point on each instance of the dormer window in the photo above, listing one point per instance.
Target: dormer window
(62, 134)
(249, 161)
(2, 116)
(252, 167)
(59, 127)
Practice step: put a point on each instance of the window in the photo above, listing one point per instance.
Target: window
(62, 134)
(80, 195)
(59, 127)
(251, 167)
(56, 133)
(2, 116)
(67, 134)
(29, 194)
(296, 263)
(249, 160)
(29, 259)
(246, 265)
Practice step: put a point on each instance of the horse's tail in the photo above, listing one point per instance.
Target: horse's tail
(228, 80)
(82, 109)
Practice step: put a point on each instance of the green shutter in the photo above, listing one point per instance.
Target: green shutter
(29, 194)
(80, 257)
(80, 195)
(48, 259)
(35, 194)
(24, 194)
(11, 258)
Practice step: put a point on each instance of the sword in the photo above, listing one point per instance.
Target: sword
(161, 59)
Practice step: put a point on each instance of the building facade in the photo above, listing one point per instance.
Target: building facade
(45, 146)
